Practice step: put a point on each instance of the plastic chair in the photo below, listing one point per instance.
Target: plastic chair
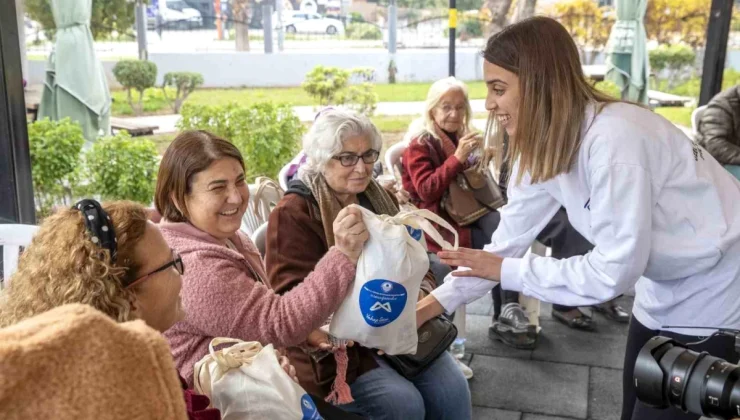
(393, 159)
(264, 195)
(12, 239)
(695, 116)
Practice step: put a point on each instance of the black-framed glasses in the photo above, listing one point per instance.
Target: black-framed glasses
(176, 262)
(348, 159)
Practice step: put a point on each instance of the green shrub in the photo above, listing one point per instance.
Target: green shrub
(677, 60)
(55, 157)
(331, 86)
(184, 83)
(356, 17)
(136, 75)
(324, 83)
(363, 30)
(122, 168)
(266, 134)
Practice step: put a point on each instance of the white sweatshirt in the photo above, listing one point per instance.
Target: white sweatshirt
(653, 203)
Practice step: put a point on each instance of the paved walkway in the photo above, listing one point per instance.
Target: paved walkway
(167, 123)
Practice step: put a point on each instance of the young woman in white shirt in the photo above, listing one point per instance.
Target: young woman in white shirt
(661, 212)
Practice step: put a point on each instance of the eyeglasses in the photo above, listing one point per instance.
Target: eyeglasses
(347, 160)
(447, 109)
(176, 262)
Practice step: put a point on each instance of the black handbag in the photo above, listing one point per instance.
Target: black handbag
(435, 337)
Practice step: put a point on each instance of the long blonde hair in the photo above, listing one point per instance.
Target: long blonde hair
(62, 265)
(425, 123)
(553, 93)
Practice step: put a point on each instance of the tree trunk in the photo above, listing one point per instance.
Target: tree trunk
(240, 9)
(499, 10)
(524, 9)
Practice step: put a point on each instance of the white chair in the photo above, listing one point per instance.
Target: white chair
(393, 159)
(264, 195)
(12, 239)
(259, 238)
(695, 116)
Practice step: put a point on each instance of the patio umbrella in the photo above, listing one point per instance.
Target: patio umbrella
(627, 59)
(75, 85)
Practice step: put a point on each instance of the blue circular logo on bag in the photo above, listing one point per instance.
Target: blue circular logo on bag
(382, 301)
(309, 409)
(415, 233)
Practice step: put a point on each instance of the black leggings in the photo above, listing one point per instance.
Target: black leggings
(722, 347)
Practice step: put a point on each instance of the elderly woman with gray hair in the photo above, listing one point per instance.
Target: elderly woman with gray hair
(341, 148)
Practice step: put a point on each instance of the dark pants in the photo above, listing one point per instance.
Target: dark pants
(564, 241)
(722, 347)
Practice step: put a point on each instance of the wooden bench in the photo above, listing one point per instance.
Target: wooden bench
(133, 128)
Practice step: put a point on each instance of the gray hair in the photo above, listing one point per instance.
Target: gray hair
(328, 133)
(425, 123)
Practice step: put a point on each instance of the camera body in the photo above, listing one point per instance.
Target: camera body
(668, 374)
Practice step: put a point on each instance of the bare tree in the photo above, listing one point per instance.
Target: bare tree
(524, 9)
(240, 13)
(499, 11)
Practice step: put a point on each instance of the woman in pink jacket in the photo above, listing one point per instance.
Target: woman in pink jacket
(202, 195)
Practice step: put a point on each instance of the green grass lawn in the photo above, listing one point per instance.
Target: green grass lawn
(155, 103)
(676, 115)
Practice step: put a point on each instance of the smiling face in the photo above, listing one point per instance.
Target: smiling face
(218, 198)
(503, 96)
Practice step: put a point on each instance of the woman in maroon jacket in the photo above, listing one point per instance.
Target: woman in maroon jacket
(441, 145)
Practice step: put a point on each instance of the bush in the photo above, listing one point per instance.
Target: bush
(365, 31)
(184, 84)
(266, 134)
(136, 75)
(55, 157)
(677, 60)
(324, 84)
(331, 86)
(122, 168)
(356, 17)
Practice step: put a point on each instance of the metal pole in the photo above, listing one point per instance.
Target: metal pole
(718, 30)
(267, 25)
(22, 36)
(392, 25)
(16, 186)
(141, 30)
(280, 28)
(452, 25)
(219, 20)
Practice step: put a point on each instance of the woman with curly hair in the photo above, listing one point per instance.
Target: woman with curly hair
(109, 257)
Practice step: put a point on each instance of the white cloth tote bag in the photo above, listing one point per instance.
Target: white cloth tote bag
(245, 381)
(380, 311)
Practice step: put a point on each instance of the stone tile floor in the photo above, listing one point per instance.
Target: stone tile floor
(570, 375)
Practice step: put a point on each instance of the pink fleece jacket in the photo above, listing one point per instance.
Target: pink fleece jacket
(222, 297)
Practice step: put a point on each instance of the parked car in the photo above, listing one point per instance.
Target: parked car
(174, 13)
(310, 23)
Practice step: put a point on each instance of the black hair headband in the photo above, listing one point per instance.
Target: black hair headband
(99, 226)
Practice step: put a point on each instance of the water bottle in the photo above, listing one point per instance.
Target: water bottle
(458, 348)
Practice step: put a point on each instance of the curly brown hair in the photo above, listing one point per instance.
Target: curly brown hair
(62, 265)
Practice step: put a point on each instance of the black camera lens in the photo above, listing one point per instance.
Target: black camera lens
(668, 374)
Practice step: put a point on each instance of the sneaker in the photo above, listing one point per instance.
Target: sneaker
(513, 328)
(466, 371)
